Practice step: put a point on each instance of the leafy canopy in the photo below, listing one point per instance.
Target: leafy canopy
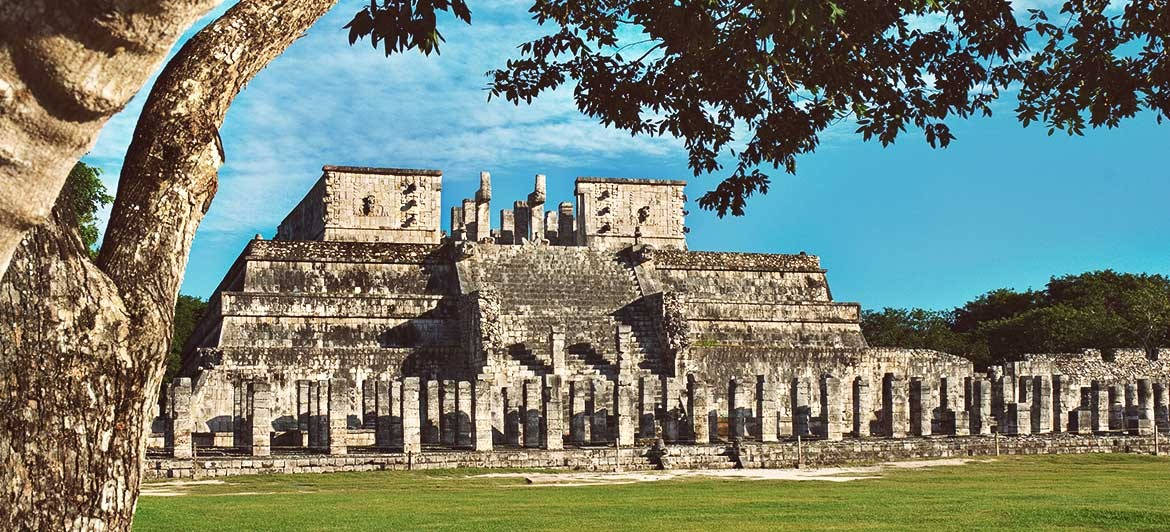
(81, 197)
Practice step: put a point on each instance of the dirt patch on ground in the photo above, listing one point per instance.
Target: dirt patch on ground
(827, 474)
(174, 488)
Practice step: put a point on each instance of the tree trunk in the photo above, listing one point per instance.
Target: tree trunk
(66, 67)
(83, 347)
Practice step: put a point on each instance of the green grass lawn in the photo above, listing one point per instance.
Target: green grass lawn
(1090, 491)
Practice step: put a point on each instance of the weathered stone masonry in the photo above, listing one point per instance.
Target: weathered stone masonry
(363, 329)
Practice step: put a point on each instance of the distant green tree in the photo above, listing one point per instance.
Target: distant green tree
(188, 311)
(1100, 309)
(85, 194)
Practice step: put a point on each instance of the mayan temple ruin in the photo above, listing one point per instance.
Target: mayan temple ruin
(586, 334)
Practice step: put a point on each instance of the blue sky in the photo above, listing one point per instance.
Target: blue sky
(907, 225)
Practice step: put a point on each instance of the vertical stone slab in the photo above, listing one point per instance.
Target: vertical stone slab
(322, 424)
(1004, 396)
(1060, 403)
(1116, 407)
(483, 207)
(862, 407)
(458, 230)
(303, 411)
(394, 400)
(672, 409)
(801, 410)
(338, 416)
(959, 397)
(556, 346)
(602, 396)
(766, 407)
(431, 410)
(1041, 404)
(382, 418)
(448, 411)
(625, 412)
(513, 399)
(832, 409)
(646, 406)
(579, 422)
(182, 423)
(1162, 406)
(239, 390)
(698, 405)
(895, 405)
(261, 418)
(737, 409)
(533, 396)
(1100, 406)
(507, 227)
(784, 407)
(369, 403)
(482, 407)
(536, 209)
(313, 430)
(922, 404)
(520, 217)
(1131, 407)
(554, 420)
(463, 413)
(411, 416)
(986, 418)
(565, 226)
(1145, 421)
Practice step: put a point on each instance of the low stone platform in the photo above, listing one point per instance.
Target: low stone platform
(750, 454)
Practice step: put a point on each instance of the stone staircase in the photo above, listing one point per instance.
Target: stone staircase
(584, 293)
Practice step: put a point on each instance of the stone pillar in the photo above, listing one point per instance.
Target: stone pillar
(766, 409)
(832, 409)
(554, 419)
(182, 424)
(625, 412)
(458, 229)
(1061, 403)
(1162, 406)
(483, 207)
(579, 415)
(468, 210)
(922, 402)
(507, 227)
(303, 411)
(565, 227)
(1041, 404)
(862, 407)
(431, 410)
(1099, 393)
(801, 409)
(1116, 407)
(338, 416)
(550, 228)
(737, 409)
(482, 412)
(1145, 421)
(322, 417)
(784, 407)
(448, 411)
(959, 397)
(985, 417)
(556, 346)
(520, 217)
(895, 406)
(532, 406)
(646, 406)
(602, 397)
(1131, 407)
(513, 399)
(671, 408)
(261, 418)
(383, 431)
(1004, 395)
(697, 408)
(536, 209)
(411, 417)
(463, 413)
(369, 403)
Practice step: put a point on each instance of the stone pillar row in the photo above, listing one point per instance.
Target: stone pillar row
(537, 412)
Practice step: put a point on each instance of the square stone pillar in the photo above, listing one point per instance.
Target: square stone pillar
(579, 414)
(182, 423)
(411, 417)
(463, 413)
(922, 404)
(697, 409)
(520, 216)
(338, 416)
(647, 403)
(513, 399)
(1023, 418)
(448, 414)
(602, 407)
(554, 417)
(1131, 407)
(1041, 404)
(672, 407)
(985, 417)
(862, 405)
(766, 430)
(536, 201)
(322, 417)
(801, 408)
(737, 409)
(1099, 393)
(556, 346)
(482, 412)
(261, 418)
(625, 412)
(1117, 407)
(1063, 398)
(431, 410)
(832, 409)
(1145, 397)
(533, 403)
(895, 406)
(303, 411)
(1003, 397)
(784, 407)
(369, 403)
(383, 421)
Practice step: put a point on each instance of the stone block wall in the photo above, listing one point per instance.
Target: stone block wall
(615, 213)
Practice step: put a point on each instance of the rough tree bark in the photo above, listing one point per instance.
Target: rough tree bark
(83, 346)
(66, 67)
